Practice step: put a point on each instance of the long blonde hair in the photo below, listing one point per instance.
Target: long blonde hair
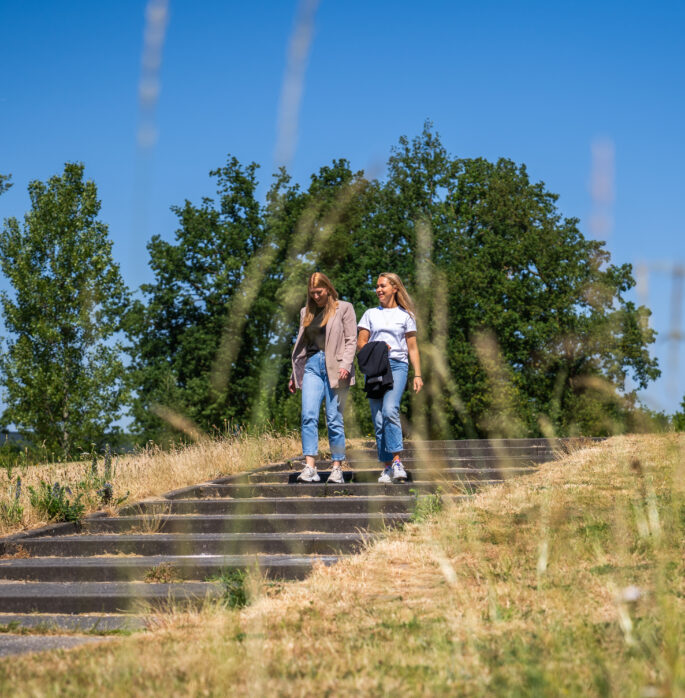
(318, 280)
(401, 296)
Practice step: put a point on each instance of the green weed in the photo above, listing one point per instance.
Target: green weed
(426, 506)
(101, 486)
(234, 583)
(164, 573)
(11, 511)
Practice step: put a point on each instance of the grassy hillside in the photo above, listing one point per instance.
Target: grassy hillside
(148, 473)
(569, 582)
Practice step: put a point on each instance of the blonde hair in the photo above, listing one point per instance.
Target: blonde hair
(401, 296)
(319, 280)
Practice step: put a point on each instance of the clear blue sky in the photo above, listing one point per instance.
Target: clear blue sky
(538, 82)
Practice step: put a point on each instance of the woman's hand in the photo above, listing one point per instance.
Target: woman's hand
(291, 385)
(418, 384)
(343, 374)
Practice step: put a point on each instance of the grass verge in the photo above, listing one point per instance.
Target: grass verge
(152, 472)
(567, 582)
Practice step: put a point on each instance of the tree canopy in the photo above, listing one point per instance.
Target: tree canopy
(5, 183)
(62, 371)
(525, 325)
(521, 317)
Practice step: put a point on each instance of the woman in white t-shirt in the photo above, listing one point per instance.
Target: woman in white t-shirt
(392, 322)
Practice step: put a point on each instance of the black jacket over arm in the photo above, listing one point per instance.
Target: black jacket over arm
(375, 365)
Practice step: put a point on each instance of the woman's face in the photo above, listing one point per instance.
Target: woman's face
(384, 291)
(319, 295)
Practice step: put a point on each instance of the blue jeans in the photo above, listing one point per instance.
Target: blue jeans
(316, 386)
(385, 413)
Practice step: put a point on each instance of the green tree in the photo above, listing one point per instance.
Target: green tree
(524, 324)
(5, 183)
(679, 417)
(62, 372)
(502, 269)
(212, 340)
(199, 341)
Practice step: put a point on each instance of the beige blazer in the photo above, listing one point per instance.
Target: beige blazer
(340, 348)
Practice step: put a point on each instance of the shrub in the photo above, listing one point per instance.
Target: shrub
(54, 502)
(234, 586)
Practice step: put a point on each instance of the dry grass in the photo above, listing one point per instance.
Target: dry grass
(154, 471)
(569, 582)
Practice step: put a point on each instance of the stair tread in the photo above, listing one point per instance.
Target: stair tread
(181, 537)
(91, 622)
(152, 560)
(271, 516)
(102, 588)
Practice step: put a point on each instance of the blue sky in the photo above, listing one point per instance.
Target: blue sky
(537, 82)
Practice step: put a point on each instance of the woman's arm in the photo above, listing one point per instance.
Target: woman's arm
(362, 339)
(413, 347)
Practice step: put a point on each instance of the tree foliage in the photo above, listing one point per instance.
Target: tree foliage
(524, 323)
(507, 271)
(62, 372)
(679, 417)
(199, 340)
(5, 183)
(525, 326)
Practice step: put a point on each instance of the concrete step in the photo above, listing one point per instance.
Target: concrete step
(321, 489)
(13, 645)
(263, 519)
(246, 523)
(91, 623)
(100, 597)
(499, 444)
(451, 460)
(194, 544)
(476, 456)
(283, 505)
(182, 567)
(413, 474)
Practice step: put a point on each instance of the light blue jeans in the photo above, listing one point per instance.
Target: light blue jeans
(385, 413)
(316, 386)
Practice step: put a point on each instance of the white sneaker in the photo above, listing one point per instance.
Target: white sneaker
(309, 474)
(336, 477)
(398, 471)
(386, 475)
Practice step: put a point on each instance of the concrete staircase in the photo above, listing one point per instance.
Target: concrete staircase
(166, 551)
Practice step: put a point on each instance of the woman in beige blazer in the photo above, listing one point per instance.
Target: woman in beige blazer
(323, 367)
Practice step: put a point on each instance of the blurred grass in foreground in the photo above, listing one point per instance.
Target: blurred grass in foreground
(567, 582)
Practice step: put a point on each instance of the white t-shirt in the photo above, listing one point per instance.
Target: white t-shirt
(389, 325)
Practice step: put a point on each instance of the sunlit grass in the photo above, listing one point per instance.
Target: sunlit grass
(567, 582)
(154, 471)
